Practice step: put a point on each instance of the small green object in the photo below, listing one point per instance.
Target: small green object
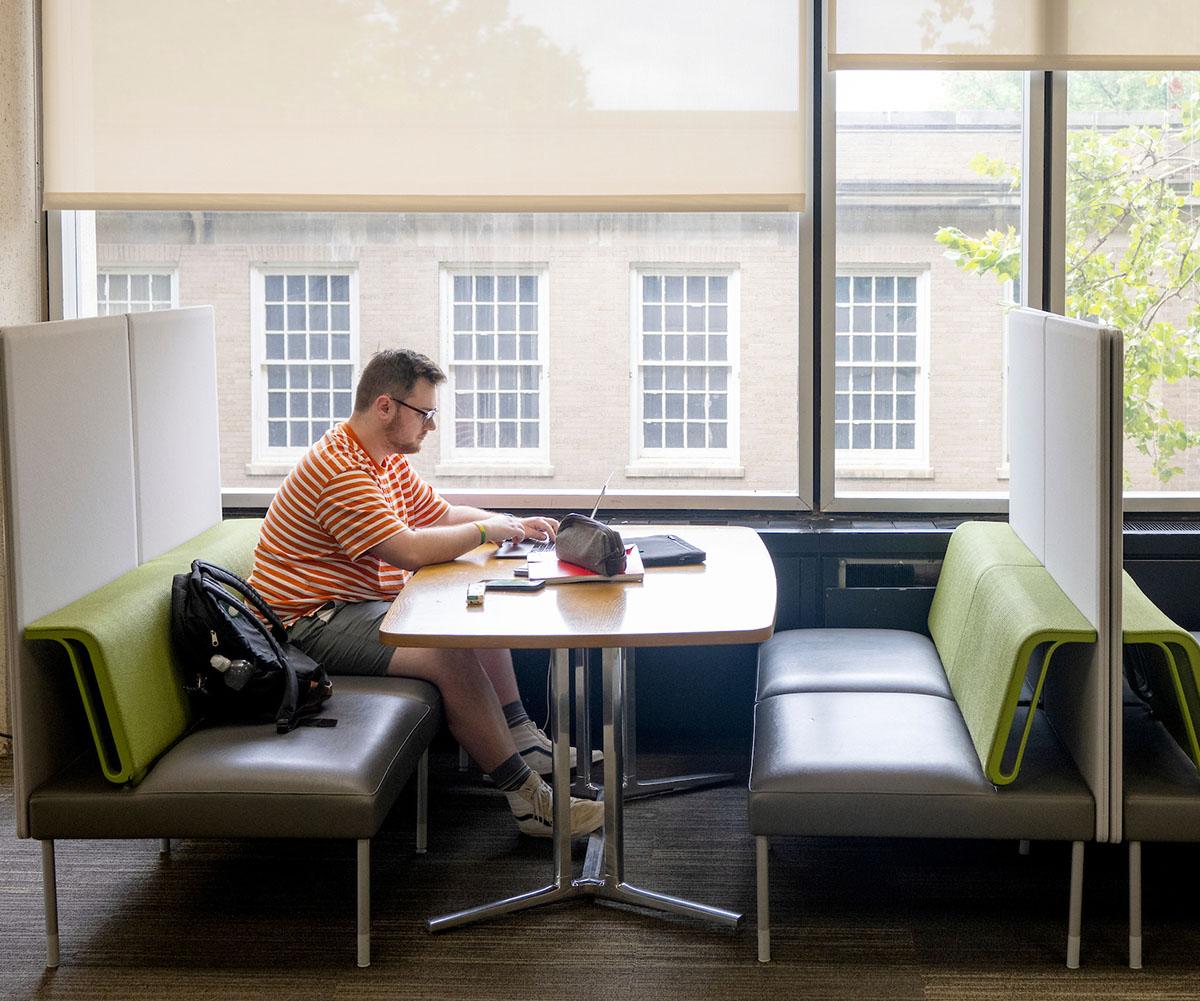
(118, 641)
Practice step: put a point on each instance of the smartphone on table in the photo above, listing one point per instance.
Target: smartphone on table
(515, 584)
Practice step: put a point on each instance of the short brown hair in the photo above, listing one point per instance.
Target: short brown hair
(394, 372)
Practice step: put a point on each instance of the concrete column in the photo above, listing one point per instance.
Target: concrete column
(22, 261)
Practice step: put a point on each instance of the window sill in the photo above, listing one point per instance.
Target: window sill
(508, 470)
(883, 473)
(647, 471)
(268, 468)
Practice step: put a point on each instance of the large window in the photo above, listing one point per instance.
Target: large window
(878, 406)
(1133, 255)
(305, 334)
(928, 215)
(497, 354)
(685, 323)
(537, 320)
(133, 291)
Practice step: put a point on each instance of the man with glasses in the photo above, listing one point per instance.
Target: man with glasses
(344, 533)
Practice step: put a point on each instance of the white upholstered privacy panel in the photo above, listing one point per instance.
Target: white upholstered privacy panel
(70, 460)
(177, 458)
(1065, 481)
(1027, 427)
(71, 514)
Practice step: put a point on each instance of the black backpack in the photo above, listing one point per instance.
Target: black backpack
(239, 668)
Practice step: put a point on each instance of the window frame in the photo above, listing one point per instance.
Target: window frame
(683, 461)
(829, 499)
(476, 461)
(266, 460)
(171, 271)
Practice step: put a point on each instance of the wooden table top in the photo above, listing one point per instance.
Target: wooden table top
(728, 599)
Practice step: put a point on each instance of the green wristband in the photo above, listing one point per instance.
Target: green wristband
(482, 532)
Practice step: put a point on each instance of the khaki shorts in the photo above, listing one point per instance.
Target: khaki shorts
(343, 637)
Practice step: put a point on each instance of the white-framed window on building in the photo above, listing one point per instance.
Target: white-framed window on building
(685, 324)
(135, 290)
(496, 342)
(881, 341)
(305, 349)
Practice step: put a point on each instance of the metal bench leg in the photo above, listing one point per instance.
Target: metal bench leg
(423, 803)
(1135, 905)
(764, 900)
(364, 902)
(164, 846)
(1073, 922)
(50, 895)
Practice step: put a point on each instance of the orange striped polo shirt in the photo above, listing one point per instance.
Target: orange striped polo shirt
(334, 506)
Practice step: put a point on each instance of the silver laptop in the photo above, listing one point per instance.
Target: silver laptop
(510, 550)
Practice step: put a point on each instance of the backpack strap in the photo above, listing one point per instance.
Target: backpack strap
(245, 590)
(211, 579)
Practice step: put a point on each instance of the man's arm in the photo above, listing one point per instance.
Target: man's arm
(413, 548)
(534, 528)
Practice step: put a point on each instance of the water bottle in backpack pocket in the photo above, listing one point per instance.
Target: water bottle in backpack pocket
(239, 665)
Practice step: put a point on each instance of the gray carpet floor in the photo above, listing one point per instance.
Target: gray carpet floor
(225, 920)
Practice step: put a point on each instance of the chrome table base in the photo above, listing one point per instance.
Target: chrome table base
(603, 876)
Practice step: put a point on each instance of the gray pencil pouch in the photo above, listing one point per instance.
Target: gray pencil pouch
(588, 543)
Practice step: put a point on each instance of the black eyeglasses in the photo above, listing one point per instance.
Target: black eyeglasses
(427, 416)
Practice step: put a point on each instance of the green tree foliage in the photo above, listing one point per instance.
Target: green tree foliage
(1108, 91)
(1133, 244)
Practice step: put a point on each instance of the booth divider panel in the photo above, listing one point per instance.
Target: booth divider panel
(71, 509)
(173, 368)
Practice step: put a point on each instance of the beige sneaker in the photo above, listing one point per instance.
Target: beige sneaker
(532, 807)
(537, 749)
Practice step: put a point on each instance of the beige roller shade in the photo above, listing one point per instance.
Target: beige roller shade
(410, 105)
(1014, 34)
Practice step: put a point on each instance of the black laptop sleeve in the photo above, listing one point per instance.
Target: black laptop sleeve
(667, 551)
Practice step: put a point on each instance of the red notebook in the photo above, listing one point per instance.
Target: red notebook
(548, 567)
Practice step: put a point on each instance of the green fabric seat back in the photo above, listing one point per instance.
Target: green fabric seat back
(118, 641)
(1143, 622)
(995, 604)
(975, 547)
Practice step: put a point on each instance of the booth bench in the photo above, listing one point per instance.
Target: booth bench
(101, 517)
(159, 777)
(1161, 750)
(884, 733)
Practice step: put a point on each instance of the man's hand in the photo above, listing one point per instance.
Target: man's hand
(541, 529)
(505, 526)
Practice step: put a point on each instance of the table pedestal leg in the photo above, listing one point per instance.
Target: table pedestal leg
(636, 788)
(583, 785)
(604, 867)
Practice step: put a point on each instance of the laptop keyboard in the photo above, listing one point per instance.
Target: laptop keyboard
(541, 546)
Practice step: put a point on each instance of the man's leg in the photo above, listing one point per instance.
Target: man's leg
(531, 742)
(470, 701)
(476, 720)
(498, 666)
(346, 641)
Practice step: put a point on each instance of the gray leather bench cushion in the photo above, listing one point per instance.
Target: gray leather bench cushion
(1162, 788)
(902, 765)
(850, 660)
(248, 781)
